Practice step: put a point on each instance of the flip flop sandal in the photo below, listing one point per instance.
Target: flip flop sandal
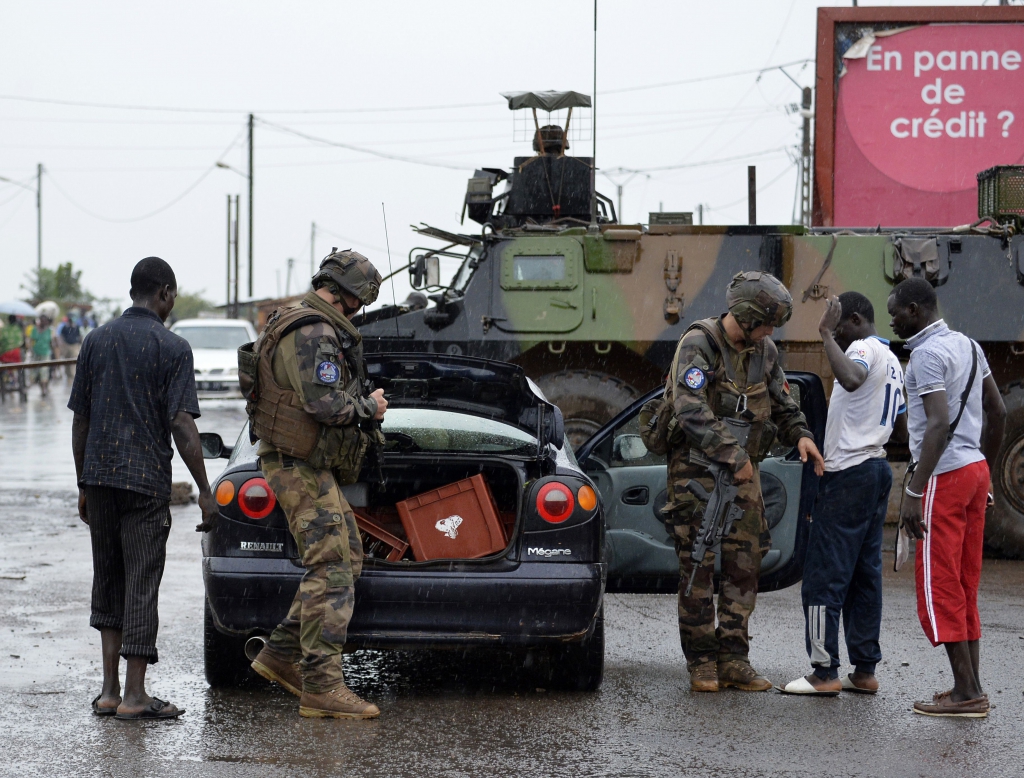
(98, 711)
(155, 710)
(804, 687)
(850, 686)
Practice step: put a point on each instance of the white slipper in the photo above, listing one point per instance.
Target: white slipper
(803, 686)
(850, 686)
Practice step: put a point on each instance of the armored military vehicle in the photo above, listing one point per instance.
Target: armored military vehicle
(592, 308)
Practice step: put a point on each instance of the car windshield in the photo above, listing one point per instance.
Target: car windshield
(422, 429)
(214, 337)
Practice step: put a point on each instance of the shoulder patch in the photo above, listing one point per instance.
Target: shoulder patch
(694, 378)
(328, 372)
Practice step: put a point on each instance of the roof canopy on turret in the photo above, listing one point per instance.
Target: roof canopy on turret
(546, 101)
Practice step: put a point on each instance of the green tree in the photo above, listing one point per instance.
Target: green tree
(63, 285)
(189, 304)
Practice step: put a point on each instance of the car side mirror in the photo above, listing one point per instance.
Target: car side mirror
(627, 448)
(213, 446)
(557, 427)
(425, 272)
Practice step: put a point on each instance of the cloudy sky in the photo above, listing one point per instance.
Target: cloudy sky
(169, 88)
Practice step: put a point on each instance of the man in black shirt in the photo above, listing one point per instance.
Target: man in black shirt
(134, 391)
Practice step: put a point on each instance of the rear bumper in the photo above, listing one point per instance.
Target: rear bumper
(530, 604)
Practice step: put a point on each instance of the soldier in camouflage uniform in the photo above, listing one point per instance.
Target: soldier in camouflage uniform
(314, 419)
(728, 368)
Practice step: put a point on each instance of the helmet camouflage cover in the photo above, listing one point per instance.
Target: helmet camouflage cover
(351, 271)
(755, 299)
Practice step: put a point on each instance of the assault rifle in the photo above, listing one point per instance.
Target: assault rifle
(375, 452)
(719, 511)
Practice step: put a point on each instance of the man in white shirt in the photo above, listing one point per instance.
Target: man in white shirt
(956, 424)
(843, 566)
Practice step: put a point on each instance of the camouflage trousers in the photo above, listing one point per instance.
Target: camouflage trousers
(741, 554)
(324, 528)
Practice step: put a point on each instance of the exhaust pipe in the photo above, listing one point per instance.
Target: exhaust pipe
(254, 645)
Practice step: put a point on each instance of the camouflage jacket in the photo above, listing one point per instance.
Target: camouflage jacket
(699, 380)
(313, 362)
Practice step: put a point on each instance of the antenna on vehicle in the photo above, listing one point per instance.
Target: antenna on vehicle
(593, 130)
(391, 273)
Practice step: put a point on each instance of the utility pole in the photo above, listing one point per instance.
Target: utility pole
(700, 213)
(233, 243)
(752, 194)
(805, 160)
(312, 250)
(227, 294)
(288, 279)
(39, 218)
(250, 205)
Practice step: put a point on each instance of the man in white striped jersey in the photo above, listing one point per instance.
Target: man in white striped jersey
(843, 566)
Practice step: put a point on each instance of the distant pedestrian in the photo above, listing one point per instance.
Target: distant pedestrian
(69, 336)
(843, 565)
(135, 390)
(12, 340)
(40, 349)
(956, 420)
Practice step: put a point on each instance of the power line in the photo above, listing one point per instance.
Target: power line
(362, 149)
(365, 245)
(162, 208)
(703, 163)
(701, 79)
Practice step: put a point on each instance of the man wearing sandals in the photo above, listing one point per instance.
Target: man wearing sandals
(843, 566)
(134, 391)
(949, 389)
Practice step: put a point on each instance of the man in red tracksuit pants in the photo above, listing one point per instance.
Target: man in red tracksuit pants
(944, 504)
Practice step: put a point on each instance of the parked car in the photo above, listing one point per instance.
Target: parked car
(449, 418)
(215, 345)
(641, 556)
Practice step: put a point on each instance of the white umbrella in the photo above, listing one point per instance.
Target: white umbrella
(16, 308)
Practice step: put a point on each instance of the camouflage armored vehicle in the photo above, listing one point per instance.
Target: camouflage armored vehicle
(592, 308)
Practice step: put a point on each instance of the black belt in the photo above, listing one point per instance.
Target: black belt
(283, 459)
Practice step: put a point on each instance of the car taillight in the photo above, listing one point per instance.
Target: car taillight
(587, 498)
(225, 492)
(555, 502)
(256, 499)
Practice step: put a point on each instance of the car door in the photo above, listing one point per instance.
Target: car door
(641, 556)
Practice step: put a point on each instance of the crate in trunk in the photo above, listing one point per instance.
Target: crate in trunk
(378, 543)
(457, 521)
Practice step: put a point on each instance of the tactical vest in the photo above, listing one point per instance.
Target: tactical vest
(733, 398)
(278, 417)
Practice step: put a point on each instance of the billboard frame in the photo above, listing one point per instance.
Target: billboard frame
(823, 208)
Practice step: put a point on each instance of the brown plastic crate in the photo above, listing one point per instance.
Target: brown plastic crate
(457, 521)
(378, 540)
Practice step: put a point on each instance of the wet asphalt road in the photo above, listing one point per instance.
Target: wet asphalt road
(450, 714)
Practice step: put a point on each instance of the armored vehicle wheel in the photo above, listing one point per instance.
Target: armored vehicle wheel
(588, 399)
(224, 656)
(1004, 523)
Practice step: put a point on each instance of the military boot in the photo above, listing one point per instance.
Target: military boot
(279, 671)
(704, 678)
(340, 703)
(738, 674)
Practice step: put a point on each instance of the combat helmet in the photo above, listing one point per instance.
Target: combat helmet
(755, 299)
(351, 271)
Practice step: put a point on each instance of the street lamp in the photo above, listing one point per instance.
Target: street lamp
(39, 210)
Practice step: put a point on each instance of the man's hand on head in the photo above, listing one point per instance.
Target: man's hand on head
(830, 317)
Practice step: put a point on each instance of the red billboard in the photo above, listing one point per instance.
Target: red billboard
(912, 103)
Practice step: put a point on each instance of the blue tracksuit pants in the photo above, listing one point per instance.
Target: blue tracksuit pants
(843, 567)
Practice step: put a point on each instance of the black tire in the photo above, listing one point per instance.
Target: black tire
(1004, 522)
(579, 666)
(223, 655)
(588, 399)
